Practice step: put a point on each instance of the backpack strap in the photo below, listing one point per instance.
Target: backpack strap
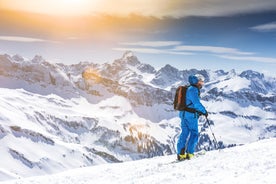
(187, 108)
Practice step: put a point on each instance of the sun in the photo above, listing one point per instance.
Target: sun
(74, 2)
(74, 7)
(53, 7)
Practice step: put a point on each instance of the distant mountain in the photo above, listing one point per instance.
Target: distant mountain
(56, 117)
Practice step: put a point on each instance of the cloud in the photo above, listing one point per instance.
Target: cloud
(175, 47)
(265, 27)
(23, 39)
(153, 43)
(256, 59)
(151, 51)
(72, 38)
(180, 8)
(211, 49)
(152, 47)
(157, 8)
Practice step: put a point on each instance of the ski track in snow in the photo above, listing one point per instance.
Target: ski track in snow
(252, 163)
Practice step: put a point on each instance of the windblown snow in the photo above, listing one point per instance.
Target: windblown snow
(252, 163)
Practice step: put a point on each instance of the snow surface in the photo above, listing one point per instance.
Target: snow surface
(54, 132)
(253, 163)
(233, 84)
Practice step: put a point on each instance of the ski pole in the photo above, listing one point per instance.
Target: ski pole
(216, 143)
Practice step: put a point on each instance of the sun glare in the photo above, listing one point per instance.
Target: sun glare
(74, 7)
(53, 7)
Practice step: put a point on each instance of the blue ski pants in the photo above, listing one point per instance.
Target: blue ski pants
(189, 135)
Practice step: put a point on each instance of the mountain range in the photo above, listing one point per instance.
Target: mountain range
(56, 117)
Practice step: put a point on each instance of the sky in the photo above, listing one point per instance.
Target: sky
(201, 34)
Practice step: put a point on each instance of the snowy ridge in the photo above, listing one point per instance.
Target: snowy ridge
(252, 163)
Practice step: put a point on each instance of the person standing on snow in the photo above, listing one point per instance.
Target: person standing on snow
(189, 121)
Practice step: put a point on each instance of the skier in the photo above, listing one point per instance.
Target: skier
(189, 121)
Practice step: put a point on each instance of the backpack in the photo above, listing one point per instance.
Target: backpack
(180, 100)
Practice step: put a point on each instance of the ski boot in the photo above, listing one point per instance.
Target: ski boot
(181, 157)
(189, 156)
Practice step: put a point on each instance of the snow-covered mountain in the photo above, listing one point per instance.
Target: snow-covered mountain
(242, 164)
(56, 117)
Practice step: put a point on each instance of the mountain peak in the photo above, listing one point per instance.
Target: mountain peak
(232, 72)
(169, 69)
(17, 58)
(249, 74)
(128, 54)
(38, 59)
(130, 58)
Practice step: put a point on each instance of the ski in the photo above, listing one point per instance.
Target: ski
(197, 154)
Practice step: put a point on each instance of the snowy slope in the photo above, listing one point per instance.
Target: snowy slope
(253, 163)
(48, 134)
